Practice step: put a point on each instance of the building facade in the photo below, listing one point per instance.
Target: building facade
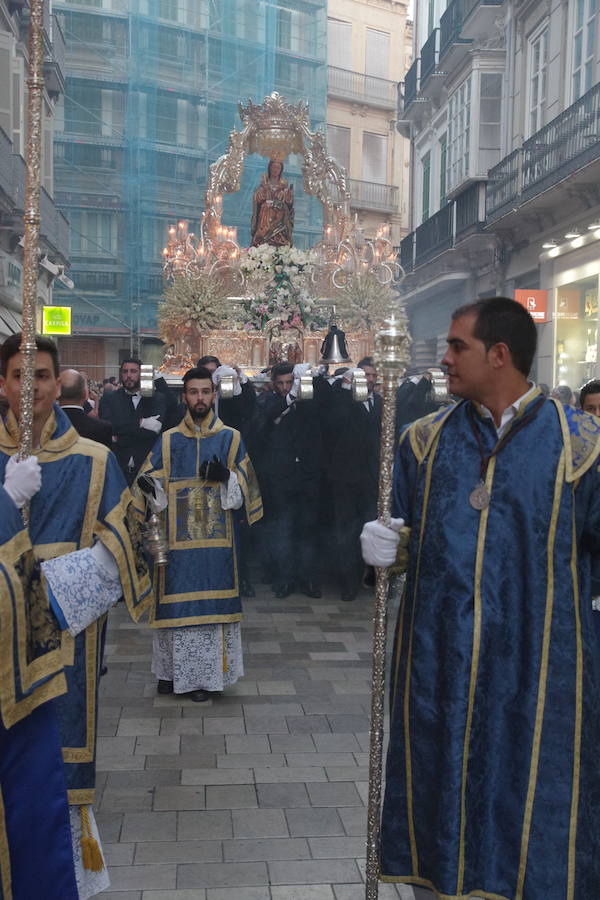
(502, 107)
(54, 235)
(151, 96)
(367, 58)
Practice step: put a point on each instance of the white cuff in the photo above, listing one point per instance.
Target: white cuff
(85, 585)
(231, 493)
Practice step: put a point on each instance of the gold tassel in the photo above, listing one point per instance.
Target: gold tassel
(90, 850)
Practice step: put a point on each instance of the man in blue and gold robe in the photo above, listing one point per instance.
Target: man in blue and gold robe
(204, 471)
(83, 500)
(35, 836)
(492, 783)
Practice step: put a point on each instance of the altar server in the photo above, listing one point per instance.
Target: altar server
(83, 500)
(206, 473)
(493, 782)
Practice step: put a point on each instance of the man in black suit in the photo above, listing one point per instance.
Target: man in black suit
(286, 438)
(353, 434)
(73, 394)
(136, 421)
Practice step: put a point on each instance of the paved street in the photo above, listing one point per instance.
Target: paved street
(259, 795)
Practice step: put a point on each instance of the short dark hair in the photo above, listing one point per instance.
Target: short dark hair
(12, 346)
(132, 359)
(197, 372)
(281, 369)
(366, 361)
(500, 320)
(207, 360)
(590, 387)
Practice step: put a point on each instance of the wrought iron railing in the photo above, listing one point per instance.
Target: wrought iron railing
(430, 55)
(450, 25)
(367, 195)
(467, 208)
(503, 184)
(407, 252)
(434, 235)
(363, 88)
(410, 84)
(563, 143)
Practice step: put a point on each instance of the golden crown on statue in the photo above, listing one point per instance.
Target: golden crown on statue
(275, 128)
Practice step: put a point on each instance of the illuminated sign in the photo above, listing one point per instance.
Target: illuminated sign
(535, 302)
(56, 320)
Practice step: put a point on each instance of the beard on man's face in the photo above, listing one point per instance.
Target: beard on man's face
(199, 409)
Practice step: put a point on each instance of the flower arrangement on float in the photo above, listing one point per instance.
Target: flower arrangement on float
(278, 290)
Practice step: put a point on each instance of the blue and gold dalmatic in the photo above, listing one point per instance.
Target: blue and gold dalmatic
(35, 835)
(83, 498)
(493, 779)
(199, 584)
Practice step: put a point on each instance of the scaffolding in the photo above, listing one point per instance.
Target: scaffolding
(150, 98)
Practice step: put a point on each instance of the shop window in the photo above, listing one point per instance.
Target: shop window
(576, 332)
(459, 133)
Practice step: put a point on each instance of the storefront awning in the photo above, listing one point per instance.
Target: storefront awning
(10, 322)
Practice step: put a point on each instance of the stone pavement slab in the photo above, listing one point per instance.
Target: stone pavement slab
(259, 794)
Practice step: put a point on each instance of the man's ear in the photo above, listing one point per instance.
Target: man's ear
(58, 387)
(499, 356)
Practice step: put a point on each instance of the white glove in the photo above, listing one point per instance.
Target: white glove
(301, 369)
(380, 543)
(152, 423)
(221, 372)
(22, 479)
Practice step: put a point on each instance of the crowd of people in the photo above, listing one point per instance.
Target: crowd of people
(496, 522)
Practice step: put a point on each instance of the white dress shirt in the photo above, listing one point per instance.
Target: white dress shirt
(508, 414)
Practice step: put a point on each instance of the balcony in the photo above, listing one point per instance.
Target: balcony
(54, 228)
(55, 61)
(367, 89)
(407, 252)
(376, 197)
(411, 81)
(452, 43)
(431, 79)
(479, 17)
(567, 147)
(452, 225)
(435, 235)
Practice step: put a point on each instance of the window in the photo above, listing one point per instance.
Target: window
(338, 144)
(339, 43)
(375, 153)
(583, 46)
(426, 186)
(459, 134)
(538, 64)
(93, 233)
(377, 54)
(443, 165)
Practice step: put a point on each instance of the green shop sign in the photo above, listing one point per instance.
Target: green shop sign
(56, 320)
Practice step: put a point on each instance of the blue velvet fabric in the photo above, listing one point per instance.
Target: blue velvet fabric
(476, 799)
(72, 470)
(36, 815)
(199, 584)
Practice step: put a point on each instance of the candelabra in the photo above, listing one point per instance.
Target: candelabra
(346, 254)
(215, 253)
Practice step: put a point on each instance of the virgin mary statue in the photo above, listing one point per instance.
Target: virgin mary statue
(273, 208)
